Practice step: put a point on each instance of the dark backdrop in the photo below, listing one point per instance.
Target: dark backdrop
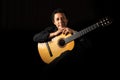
(21, 19)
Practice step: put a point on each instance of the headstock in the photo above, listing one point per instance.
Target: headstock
(104, 21)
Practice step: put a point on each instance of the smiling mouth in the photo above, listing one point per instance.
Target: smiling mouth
(62, 25)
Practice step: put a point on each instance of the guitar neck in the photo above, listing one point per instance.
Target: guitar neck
(103, 22)
(82, 32)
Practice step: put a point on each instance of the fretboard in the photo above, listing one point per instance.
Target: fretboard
(81, 33)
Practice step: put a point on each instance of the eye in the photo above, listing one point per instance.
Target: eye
(57, 19)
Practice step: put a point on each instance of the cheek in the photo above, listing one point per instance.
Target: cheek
(55, 22)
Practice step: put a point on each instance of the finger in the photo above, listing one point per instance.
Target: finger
(64, 31)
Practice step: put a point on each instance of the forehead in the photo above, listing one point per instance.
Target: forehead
(56, 15)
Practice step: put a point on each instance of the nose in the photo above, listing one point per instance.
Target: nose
(61, 20)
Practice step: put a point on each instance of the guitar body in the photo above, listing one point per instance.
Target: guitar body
(54, 50)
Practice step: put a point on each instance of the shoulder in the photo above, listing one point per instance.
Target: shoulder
(50, 28)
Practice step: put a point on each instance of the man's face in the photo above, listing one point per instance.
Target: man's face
(60, 20)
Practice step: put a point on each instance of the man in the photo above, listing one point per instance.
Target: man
(60, 20)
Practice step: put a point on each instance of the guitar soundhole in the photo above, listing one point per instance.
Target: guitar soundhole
(61, 42)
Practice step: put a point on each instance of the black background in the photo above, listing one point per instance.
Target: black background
(21, 19)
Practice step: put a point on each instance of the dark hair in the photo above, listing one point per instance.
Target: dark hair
(58, 10)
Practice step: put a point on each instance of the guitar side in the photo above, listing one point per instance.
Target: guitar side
(55, 49)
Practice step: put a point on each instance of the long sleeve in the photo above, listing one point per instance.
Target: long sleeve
(43, 36)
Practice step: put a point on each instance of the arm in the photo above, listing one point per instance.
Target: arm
(50, 32)
(43, 36)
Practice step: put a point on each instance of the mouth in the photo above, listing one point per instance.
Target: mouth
(61, 25)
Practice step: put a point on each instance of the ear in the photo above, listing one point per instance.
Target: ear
(53, 22)
(67, 20)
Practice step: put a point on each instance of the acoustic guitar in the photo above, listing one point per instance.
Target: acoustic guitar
(58, 45)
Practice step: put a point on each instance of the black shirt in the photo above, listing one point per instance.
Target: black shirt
(43, 36)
